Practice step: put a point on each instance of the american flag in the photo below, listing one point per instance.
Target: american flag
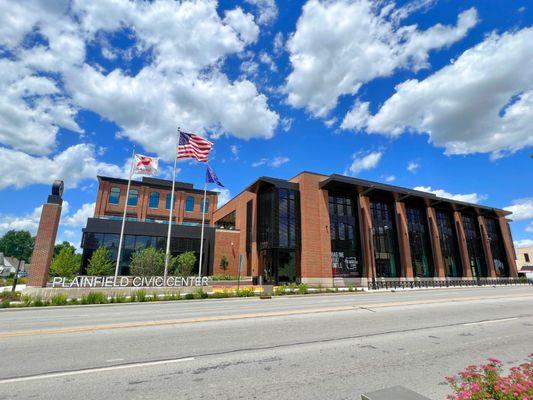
(193, 146)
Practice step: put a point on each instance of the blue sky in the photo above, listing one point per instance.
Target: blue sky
(432, 94)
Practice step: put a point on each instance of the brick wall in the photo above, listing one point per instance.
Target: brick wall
(227, 244)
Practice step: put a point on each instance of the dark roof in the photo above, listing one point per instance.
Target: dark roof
(159, 183)
(279, 183)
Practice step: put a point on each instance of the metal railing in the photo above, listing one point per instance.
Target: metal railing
(399, 284)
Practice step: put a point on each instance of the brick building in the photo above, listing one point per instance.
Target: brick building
(319, 229)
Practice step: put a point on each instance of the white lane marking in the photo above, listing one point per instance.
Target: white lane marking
(115, 360)
(491, 321)
(93, 370)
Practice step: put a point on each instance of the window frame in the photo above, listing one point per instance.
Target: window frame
(188, 199)
(131, 196)
(153, 195)
(111, 191)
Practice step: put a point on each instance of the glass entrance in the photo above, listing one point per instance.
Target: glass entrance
(279, 266)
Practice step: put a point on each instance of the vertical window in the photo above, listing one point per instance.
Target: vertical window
(133, 198)
(249, 212)
(168, 199)
(344, 233)
(526, 257)
(496, 246)
(419, 243)
(206, 206)
(154, 200)
(114, 195)
(189, 203)
(475, 249)
(448, 244)
(384, 234)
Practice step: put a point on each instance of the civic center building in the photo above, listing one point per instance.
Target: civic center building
(312, 228)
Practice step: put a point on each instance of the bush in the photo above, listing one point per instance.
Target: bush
(245, 292)
(303, 288)
(279, 290)
(199, 294)
(10, 296)
(66, 263)
(486, 382)
(171, 296)
(189, 296)
(94, 298)
(222, 294)
(222, 277)
(148, 262)
(5, 304)
(59, 299)
(119, 298)
(185, 264)
(39, 302)
(224, 263)
(101, 263)
(140, 295)
(26, 300)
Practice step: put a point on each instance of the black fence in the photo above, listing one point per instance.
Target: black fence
(398, 284)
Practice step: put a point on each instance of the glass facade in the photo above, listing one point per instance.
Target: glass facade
(384, 236)
(448, 244)
(114, 195)
(344, 233)
(133, 198)
(496, 245)
(419, 243)
(189, 203)
(475, 247)
(153, 200)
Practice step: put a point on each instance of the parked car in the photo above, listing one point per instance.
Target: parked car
(22, 274)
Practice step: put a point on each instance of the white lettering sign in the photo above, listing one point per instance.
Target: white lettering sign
(125, 281)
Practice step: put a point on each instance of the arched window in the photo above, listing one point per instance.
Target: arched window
(206, 205)
(168, 199)
(114, 195)
(133, 197)
(189, 203)
(154, 200)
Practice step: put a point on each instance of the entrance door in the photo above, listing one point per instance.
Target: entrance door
(279, 266)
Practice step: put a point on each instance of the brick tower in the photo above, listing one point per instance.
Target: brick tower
(43, 250)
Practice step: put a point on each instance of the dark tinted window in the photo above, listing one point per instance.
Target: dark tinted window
(133, 198)
(168, 199)
(496, 246)
(114, 195)
(384, 234)
(448, 244)
(419, 243)
(154, 200)
(475, 246)
(189, 203)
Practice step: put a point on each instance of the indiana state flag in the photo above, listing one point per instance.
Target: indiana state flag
(211, 177)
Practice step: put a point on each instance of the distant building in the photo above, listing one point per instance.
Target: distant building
(524, 260)
(8, 265)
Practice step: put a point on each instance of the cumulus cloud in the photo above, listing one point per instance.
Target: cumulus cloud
(79, 218)
(340, 45)
(523, 243)
(467, 198)
(224, 196)
(412, 166)
(363, 161)
(522, 209)
(267, 11)
(271, 162)
(482, 102)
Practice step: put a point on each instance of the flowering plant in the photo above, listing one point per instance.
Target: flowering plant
(486, 382)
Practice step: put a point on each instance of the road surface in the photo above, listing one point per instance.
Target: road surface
(313, 347)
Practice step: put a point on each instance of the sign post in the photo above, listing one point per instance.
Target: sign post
(239, 271)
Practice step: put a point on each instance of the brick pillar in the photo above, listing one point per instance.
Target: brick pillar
(489, 260)
(463, 248)
(45, 240)
(365, 223)
(435, 242)
(508, 246)
(403, 240)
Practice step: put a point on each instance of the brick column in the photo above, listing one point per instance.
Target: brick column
(403, 240)
(508, 246)
(45, 240)
(463, 248)
(489, 260)
(365, 223)
(435, 242)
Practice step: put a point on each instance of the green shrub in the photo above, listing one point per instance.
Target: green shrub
(148, 262)
(26, 300)
(66, 263)
(189, 296)
(222, 277)
(10, 296)
(119, 298)
(140, 295)
(184, 264)
(59, 299)
(224, 263)
(94, 298)
(171, 296)
(279, 290)
(222, 294)
(245, 292)
(5, 304)
(39, 302)
(101, 263)
(200, 294)
(303, 288)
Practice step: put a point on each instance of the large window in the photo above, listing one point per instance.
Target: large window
(475, 247)
(287, 218)
(345, 244)
(419, 243)
(133, 198)
(496, 246)
(448, 244)
(384, 234)
(114, 195)
(189, 203)
(154, 200)
(168, 199)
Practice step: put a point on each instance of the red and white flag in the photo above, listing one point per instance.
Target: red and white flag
(193, 146)
(144, 165)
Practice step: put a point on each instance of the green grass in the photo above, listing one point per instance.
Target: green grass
(94, 298)
(59, 299)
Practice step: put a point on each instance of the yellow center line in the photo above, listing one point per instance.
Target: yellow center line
(266, 314)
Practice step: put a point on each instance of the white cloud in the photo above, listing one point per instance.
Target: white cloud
(74, 164)
(390, 178)
(28, 222)
(363, 161)
(529, 228)
(243, 24)
(267, 60)
(412, 166)
(467, 198)
(278, 44)
(273, 163)
(266, 9)
(340, 45)
(523, 243)
(79, 218)
(224, 196)
(235, 151)
(357, 117)
(483, 102)
(522, 209)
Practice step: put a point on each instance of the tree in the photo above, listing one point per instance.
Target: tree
(66, 263)
(60, 246)
(17, 244)
(185, 263)
(224, 263)
(101, 263)
(147, 262)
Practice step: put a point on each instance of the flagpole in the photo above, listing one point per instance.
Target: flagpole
(124, 215)
(202, 209)
(167, 254)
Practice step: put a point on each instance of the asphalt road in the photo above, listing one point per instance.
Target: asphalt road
(314, 347)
